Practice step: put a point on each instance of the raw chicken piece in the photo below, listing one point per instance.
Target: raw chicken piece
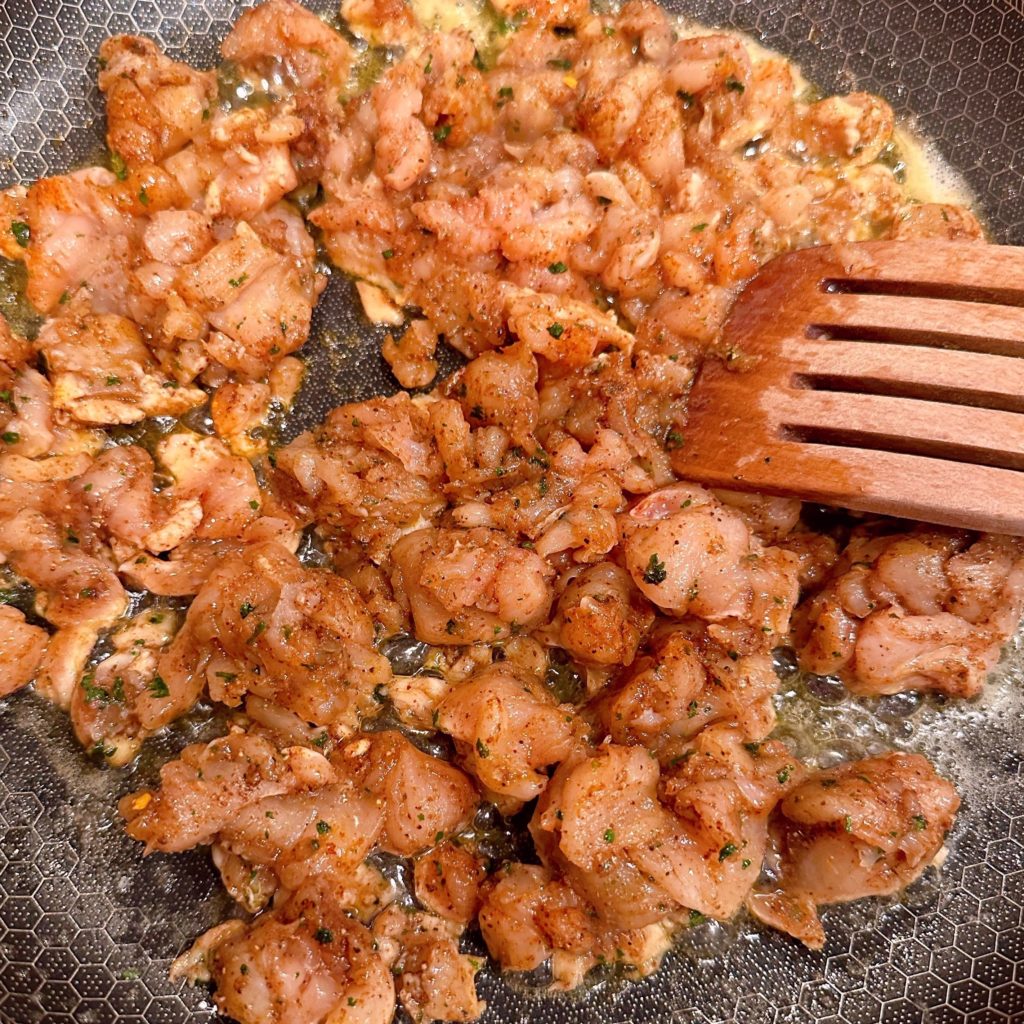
(466, 586)
(508, 728)
(21, 650)
(204, 790)
(155, 105)
(305, 961)
(866, 828)
(425, 798)
(928, 610)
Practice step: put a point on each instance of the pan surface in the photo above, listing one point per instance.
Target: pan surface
(87, 928)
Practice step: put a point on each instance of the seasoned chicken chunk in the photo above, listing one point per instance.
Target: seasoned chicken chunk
(865, 828)
(155, 105)
(304, 961)
(470, 585)
(928, 610)
(21, 650)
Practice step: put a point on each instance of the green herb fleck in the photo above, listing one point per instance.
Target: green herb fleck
(655, 573)
(158, 687)
(94, 694)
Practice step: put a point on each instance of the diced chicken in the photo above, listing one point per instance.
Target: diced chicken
(865, 828)
(21, 650)
(154, 105)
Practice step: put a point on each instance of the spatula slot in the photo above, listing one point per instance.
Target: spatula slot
(912, 337)
(998, 296)
(886, 442)
(865, 385)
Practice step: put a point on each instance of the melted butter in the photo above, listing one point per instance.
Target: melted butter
(449, 15)
(929, 178)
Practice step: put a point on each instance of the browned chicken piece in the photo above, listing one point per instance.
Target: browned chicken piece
(865, 828)
(411, 356)
(851, 128)
(47, 543)
(79, 238)
(685, 680)
(155, 105)
(26, 409)
(223, 484)
(15, 238)
(938, 220)
(447, 882)
(189, 565)
(118, 490)
(103, 705)
(691, 555)
(601, 617)
(639, 844)
(205, 789)
(321, 833)
(530, 916)
(258, 301)
(102, 372)
(382, 22)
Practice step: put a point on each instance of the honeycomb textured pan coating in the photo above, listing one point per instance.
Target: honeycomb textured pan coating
(87, 927)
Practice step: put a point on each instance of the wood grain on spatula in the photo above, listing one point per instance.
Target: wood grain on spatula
(879, 376)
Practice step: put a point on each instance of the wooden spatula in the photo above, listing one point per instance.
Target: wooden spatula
(878, 376)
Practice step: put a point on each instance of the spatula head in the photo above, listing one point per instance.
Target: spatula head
(878, 376)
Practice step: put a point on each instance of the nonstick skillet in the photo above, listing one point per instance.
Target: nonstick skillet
(87, 928)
